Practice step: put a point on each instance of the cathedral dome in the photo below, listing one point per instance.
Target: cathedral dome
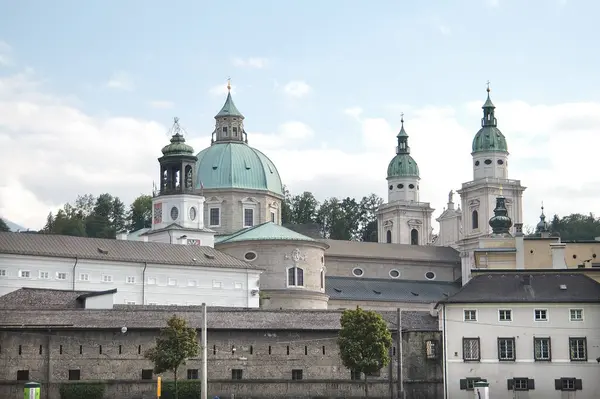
(489, 138)
(236, 165)
(403, 165)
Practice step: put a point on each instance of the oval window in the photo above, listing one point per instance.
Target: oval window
(250, 255)
(500, 162)
(476, 163)
(358, 272)
(411, 186)
(487, 161)
(391, 187)
(174, 213)
(430, 275)
(394, 273)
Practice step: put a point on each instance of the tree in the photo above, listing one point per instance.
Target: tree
(364, 342)
(175, 344)
(140, 213)
(368, 223)
(576, 227)
(286, 207)
(3, 225)
(304, 208)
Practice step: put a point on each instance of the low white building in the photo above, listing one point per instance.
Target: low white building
(529, 335)
(142, 272)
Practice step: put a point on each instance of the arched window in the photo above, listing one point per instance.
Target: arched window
(475, 217)
(414, 237)
(295, 277)
(388, 236)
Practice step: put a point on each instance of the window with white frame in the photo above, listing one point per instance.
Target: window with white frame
(541, 349)
(61, 275)
(151, 281)
(130, 280)
(470, 315)
(217, 284)
(576, 314)
(506, 349)
(295, 277)
(107, 278)
(505, 315)
(24, 273)
(191, 283)
(540, 315)
(471, 350)
(2, 272)
(44, 275)
(578, 349)
(248, 217)
(129, 302)
(84, 277)
(171, 281)
(238, 286)
(214, 216)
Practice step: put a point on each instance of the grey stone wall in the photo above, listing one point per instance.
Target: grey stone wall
(266, 359)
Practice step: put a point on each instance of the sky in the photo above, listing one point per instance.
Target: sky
(88, 92)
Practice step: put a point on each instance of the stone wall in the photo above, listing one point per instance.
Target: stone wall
(266, 360)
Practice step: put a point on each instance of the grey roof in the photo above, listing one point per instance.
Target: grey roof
(155, 317)
(361, 249)
(172, 226)
(528, 287)
(36, 298)
(117, 250)
(373, 289)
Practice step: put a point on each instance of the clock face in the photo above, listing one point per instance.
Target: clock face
(174, 213)
(192, 213)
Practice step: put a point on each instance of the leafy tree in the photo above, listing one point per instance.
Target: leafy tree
(3, 225)
(140, 213)
(304, 208)
(286, 207)
(364, 342)
(117, 217)
(368, 223)
(175, 344)
(576, 227)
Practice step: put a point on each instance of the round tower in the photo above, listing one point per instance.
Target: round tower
(403, 172)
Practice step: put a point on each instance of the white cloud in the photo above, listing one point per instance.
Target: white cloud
(354, 112)
(252, 62)
(161, 104)
(221, 90)
(5, 54)
(297, 88)
(120, 81)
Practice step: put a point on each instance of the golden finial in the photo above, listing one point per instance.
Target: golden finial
(228, 84)
(488, 86)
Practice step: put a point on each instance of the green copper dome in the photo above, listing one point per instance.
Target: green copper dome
(232, 165)
(402, 165)
(177, 147)
(489, 138)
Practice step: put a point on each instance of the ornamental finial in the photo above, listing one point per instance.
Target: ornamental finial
(488, 87)
(228, 84)
(402, 118)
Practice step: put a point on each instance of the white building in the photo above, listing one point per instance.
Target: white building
(142, 272)
(529, 335)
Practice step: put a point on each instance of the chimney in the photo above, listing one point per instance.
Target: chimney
(558, 255)
(519, 246)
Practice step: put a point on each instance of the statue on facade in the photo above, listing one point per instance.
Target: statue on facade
(450, 195)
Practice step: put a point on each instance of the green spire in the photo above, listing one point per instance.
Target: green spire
(500, 222)
(229, 108)
(177, 146)
(403, 147)
(488, 111)
(542, 226)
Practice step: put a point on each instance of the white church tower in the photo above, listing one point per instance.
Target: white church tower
(490, 180)
(404, 220)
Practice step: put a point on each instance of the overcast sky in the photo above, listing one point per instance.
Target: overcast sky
(88, 92)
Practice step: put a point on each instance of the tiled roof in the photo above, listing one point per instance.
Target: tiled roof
(264, 231)
(117, 250)
(372, 289)
(36, 298)
(361, 249)
(528, 287)
(155, 317)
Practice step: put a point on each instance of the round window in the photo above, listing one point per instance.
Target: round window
(193, 213)
(174, 213)
(358, 272)
(500, 162)
(411, 186)
(250, 255)
(391, 187)
(476, 163)
(394, 273)
(487, 161)
(430, 275)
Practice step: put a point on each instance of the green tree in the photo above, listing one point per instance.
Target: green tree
(3, 225)
(304, 208)
(175, 344)
(140, 213)
(368, 223)
(117, 217)
(364, 342)
(576, 227)
(286, 207)
(100, 222)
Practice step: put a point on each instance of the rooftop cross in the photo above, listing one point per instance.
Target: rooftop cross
(488, 86)
(229, 84)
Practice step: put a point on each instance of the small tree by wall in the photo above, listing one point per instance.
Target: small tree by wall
(364, 342)
(175, 344)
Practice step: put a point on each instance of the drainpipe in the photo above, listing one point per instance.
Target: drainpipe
(144, 283)
(247, 288)
(73, 273)
(48, 366)
(445, 352)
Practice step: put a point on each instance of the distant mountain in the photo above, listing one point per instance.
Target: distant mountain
(13, 226)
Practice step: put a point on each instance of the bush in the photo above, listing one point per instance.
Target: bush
(82, 390)
(187, 389)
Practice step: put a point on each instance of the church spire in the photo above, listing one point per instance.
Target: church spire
(542, 227)
(229, 122)
(488, 110)
(402, 147)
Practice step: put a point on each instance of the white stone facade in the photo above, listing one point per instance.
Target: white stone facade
(136, 283)
(405, 222)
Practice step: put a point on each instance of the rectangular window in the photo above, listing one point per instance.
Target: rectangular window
(225, 129)
(576, 314)
(214, 217)
(506, 349)
(520, 384)
(44, 275)
(471, 349)
(191, 283)
(172, 281)
(540, 315)
(217, 284)
(61, 276)
(237, 374)
(505, 315)
(146, 374)
(470, 315)
(22, 375)
(273, 218)
(24, 273)
(295, 277)
(151, 281)
(192, 374)
(107, 278)
(129, 302)
(541, 349)
(431, 349)
(296, 374)
(568, 384)
(130, 280)
(238, 286)
(469, 383)
(355, 375)
(2, 272)
(578, 349)
(234, 131)
(248, 217)
(84, 277)
(74, 375)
